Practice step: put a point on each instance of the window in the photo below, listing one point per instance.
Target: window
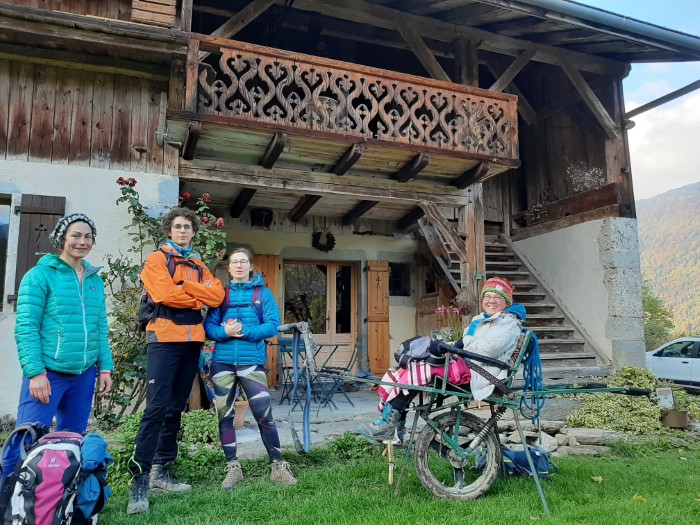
(4, 234)
(430, 282)
(682, 349)
(400, 279)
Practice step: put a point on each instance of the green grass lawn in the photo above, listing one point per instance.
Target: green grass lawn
(640, 485)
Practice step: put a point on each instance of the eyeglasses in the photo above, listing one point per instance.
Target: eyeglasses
(242, 262)
(183, 227)
(495, 298)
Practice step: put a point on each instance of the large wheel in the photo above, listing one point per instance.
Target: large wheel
(442, 471)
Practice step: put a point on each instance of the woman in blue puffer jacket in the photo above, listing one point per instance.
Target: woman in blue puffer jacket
(61, 333)
(239, 328)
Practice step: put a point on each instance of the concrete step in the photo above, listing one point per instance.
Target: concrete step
(543, 320)
(573, 372)
(553, 332)
(561, 345)
(500, 266)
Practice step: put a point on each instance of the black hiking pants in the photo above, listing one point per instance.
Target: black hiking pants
(171, 370)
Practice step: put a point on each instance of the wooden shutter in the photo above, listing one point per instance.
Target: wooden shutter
(378, 341)
(269, 267)
(38, 216)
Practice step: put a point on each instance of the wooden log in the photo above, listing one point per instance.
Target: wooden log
(469, 177)
(412, 168)
(511, 71)
(410, 218)
(421, 50)
(467, 61)
(273, 151)
(349, 159)
(358, 211)
(242, 201)
(302, 207)
(189, 147)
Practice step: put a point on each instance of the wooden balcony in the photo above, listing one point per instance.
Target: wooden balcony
(260, 89)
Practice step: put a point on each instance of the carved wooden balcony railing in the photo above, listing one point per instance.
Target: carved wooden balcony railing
(277, 89)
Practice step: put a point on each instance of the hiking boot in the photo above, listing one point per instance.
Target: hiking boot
(281, 474)
(138, 498)
(163, 480)
(234, 474)
(385, 428)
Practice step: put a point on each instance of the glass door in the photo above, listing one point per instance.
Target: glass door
(324, 294)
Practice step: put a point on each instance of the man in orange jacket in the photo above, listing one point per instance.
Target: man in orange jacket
(179, 284)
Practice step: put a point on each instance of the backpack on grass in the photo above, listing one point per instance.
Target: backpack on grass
(61, 480)
(514, 462)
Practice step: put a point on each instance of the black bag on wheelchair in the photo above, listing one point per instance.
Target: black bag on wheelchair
(419, 349)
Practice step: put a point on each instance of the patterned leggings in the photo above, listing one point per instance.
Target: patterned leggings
(228, 379)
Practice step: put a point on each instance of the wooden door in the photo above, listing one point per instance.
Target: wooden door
(378, 344)
(269, 267)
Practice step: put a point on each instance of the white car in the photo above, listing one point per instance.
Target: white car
(678, 360)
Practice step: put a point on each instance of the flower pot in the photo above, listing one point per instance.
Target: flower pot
(674, 418)
(241, 408)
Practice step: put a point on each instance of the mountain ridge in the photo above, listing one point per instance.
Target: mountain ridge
(669, 237)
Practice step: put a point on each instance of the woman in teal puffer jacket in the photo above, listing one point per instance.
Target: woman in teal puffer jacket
(239, 328)
(61, 331)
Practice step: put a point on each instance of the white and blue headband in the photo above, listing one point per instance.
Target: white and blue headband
(59, 232)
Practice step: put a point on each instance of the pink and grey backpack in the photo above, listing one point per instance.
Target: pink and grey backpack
(47, 482)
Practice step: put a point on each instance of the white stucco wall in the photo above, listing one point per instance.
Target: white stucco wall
(594, 269)
(87, 190)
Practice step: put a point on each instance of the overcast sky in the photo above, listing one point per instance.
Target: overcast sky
(664, 141)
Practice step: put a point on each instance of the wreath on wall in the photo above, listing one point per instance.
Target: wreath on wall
(323, 240)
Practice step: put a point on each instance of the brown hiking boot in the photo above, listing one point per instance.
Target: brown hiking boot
(163, 480)
(281, 474)
(234, 474)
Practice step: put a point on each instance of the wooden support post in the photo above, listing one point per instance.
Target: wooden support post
(274, 150)
(467, 61)
(527, 112)
(471, 221)
(358, 211)
(192, 75)
(241, 202)
(302, 207)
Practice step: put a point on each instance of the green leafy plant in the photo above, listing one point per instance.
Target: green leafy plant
(351, 446)
(122, 281)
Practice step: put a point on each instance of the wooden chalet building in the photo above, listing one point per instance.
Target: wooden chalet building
(378, 155)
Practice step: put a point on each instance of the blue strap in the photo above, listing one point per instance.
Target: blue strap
(530, 406)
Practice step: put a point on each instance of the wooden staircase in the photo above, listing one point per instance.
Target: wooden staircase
(564, 352)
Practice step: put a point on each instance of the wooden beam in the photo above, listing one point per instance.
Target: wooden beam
(349, 159)
(432, 238)
(302, 207)
(571, 97)
(527, 112)
(241, 19)
(241, 202)
(662, 100)
(186, 16)
(564, 222)
(421, 50)
(589, 200)
(190, 145)
(427, 27)
(452, 238)
(469, 177)
(319, 183)
(511, 71)
(467, 61)
(589, 97)
(410, 218)
(412, 168)
(274, 150)
(358, 211)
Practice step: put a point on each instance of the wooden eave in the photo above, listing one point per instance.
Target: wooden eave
(53, 30)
